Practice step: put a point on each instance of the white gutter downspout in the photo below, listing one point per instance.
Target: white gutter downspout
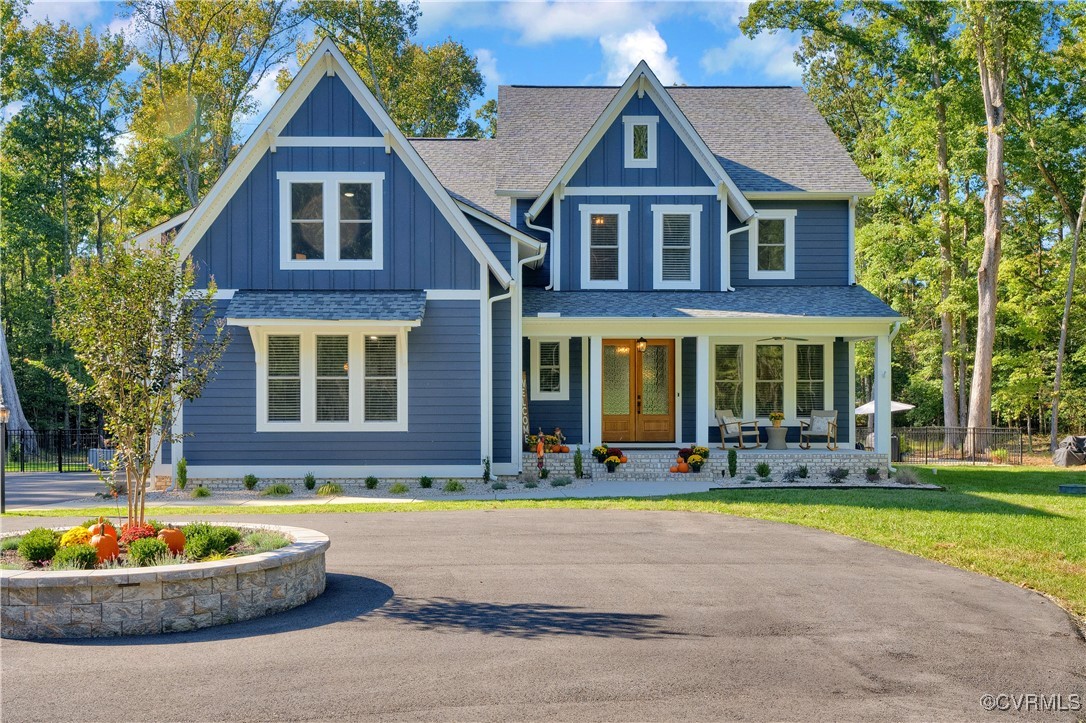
(893, 333)
(516, 314)
(550, 239)
(728, 281)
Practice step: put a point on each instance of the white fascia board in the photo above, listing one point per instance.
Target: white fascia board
(143, 238)
(674, 116)
(336, 323)
(805, 195)
(326, 59)
(753, 325)
(532, 244)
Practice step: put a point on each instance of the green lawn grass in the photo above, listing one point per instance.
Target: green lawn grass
(1007, 522)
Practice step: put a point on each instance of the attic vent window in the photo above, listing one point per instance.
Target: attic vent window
(639, 141)
(331, 220)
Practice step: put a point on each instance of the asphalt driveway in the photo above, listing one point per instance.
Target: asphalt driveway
(575, 615)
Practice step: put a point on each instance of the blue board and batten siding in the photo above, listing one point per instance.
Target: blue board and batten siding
(688, 390)
(565, 413)
(443, 407)
(821, 256)
(501, 375)
(330, 110)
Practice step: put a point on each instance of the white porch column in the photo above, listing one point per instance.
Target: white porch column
(595, 390)
(852, 396)
(882, 394)
(701, 435)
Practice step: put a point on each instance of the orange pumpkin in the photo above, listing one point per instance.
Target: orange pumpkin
(684, 467)
(103, 528)
(623, 459)
(674, 468)
(679, 460)
(565, 449)
(174, 539)
(556, 448)
(106, 547)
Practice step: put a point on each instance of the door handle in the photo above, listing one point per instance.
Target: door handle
(639, 404)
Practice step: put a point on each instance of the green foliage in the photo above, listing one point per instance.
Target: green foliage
(578, 463)
(329, 489)
(208, 539)
(278, 489)
(310, 481)
(39, 545)
(10, 543)
(561, 482)
(250, 481)
(733, 462)
(544, 473)
(371, 483)
(143, 551)
(837, 475)
(872, 474)
(425, 482)
(75, 557)
(1000, 456)
(531, 484)
(498, 486)
(762, 469)
(265, 541)
(454, 485)
(802, 471)
(398, 488)
(182, 473)
(486, 469)
(201, 491)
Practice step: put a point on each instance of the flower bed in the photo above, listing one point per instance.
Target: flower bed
(48, 603)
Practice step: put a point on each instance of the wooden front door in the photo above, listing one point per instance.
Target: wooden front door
(638, 391)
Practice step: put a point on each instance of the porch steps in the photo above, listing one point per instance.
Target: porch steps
(655, 464)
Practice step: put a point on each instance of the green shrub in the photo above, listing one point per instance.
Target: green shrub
(837, 475)
(454, 485)
(802, 471)
(156, 525)
(544, 473)
(89, 523)
(329, 489)
(372, 482)
(872, 474)
(906, 477)
(1000, 456)
(195, 529)
(10, 543)
(250, 481)
(203, 539)
(733, 462)
(182, 473)
(561, 481)
(278, 489)
(265, 540)
(499, 486)
(762, 469)
(398, 488)
(425, 482)
(531, 484)
(225, 537)
(310, 481)
(39, 545)
(201, 491)
(749, 478)
(486, 469)
(143, 551)
(75, 557)
(578, 464)
(199, 547)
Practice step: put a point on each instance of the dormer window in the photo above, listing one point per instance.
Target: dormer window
(331, 220)
(640, 141)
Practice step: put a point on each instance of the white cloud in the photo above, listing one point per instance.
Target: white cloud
(769, 55)
(488, 66)
(74, 13)
(622, 52)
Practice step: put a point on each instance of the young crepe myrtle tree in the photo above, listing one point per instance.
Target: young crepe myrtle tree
(147, 343)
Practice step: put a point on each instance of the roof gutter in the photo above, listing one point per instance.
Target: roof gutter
(550, 240)
(728, 281)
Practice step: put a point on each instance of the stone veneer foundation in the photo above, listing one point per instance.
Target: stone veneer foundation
(166, 599)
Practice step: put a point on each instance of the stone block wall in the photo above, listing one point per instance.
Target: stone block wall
(142, 601)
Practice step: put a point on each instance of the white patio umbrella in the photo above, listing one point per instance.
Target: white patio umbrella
(869, 408)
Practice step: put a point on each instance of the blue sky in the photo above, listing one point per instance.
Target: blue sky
(568, 43)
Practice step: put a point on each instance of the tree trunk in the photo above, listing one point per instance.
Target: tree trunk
(1061, 350)
(946, 323)
(991, 63)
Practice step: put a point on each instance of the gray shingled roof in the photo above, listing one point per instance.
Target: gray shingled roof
(767, 139)
(328, 305)
(747, 301)
(467, 167)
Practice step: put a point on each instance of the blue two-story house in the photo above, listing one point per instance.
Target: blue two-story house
(618, 262)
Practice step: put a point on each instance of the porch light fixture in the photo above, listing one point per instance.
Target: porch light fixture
(642, 344)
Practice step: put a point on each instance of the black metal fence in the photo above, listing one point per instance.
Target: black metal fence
(55, 450)
(952, 445)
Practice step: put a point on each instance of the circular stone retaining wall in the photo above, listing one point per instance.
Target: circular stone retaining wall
(164, 599)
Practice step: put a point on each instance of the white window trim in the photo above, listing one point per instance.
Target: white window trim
(623, 212)
(563, 379)
(774, 214)
(331, 181)
(628, 123)
(658, 212)
(308, 348)
(790, 375)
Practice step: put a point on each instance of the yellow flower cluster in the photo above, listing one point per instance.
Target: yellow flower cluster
(702, 452)
(695, 459)
(612, 460)
(75, 536)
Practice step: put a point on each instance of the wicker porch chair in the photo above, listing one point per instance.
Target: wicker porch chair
(821, 423)
(732, 426)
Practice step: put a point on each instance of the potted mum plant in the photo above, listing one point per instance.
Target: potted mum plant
(695, 461)
(600, 453)
(612, 463)
(776, 418)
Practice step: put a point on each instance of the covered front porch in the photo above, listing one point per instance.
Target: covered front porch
(655, 381)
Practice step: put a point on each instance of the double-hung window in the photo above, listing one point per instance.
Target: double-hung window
(753, 379)
(639, 141)
(676, 244)
(604, 244)
(769, 379)
(810, 378)
(331, 220)
(550, 369)
(773, 245)
(728, 377)
(314, 380)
